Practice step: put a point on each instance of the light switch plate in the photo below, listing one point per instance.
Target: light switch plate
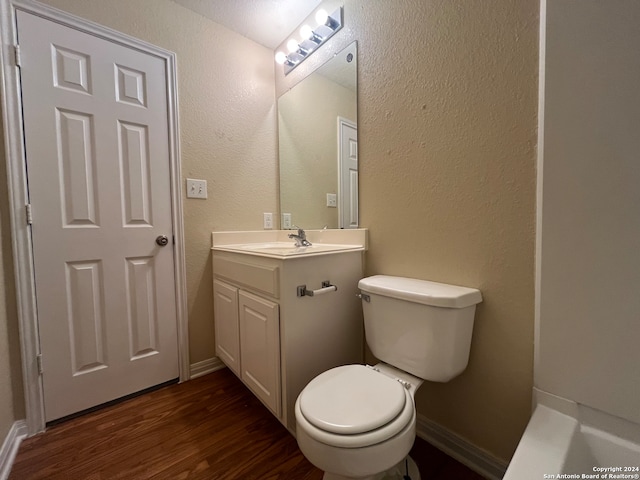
(196, 188)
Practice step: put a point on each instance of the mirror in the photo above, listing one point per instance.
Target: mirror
(318, 147)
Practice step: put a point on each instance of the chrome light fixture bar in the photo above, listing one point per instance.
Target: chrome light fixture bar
(312, 39)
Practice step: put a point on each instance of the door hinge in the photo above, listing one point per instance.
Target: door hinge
(39, 362)
(17, 57)
(29, 215)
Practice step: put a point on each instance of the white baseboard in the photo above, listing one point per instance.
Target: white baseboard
(10, 446)
(457, 447)
(209, 365)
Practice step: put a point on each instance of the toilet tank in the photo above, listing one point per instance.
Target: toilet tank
(418, 326)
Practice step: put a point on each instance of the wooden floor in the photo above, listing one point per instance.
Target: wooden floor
(208, 428)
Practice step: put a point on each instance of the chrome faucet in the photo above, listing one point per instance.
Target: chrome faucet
(300, 238)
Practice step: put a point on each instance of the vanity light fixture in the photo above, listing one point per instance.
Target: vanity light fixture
(312, 39)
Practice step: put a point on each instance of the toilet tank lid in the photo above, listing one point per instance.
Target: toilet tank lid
(421, 291)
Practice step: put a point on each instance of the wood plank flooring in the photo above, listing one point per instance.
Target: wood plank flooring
(209, 428)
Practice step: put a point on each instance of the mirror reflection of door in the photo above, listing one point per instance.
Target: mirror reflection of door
(314, 192)
(348, 173)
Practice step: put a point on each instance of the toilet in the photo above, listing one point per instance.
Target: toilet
(359, 421)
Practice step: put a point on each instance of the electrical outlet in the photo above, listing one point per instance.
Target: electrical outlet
(286, 221)
(268, 221)
(196, 188)
(332, 200)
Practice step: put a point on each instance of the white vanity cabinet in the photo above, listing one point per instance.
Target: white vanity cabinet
(247, 333)
(260, 348)
(276, 341)
(227, 324)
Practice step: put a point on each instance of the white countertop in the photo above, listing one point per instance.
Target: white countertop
(277, 244)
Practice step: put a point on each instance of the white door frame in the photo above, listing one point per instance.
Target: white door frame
(19, 198)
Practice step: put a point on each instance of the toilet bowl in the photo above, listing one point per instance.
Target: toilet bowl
(359, 422)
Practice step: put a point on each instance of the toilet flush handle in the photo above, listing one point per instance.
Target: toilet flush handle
(363, 296)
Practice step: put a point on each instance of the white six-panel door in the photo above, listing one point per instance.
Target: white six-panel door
(348, 171)
(96, 139)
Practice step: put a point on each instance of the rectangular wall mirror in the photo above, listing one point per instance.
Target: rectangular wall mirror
(318, 147)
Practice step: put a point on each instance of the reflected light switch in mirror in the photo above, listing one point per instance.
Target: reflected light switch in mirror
(196, 188)
(286, 221)
(332, 200)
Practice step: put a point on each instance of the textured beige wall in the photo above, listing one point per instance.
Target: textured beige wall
(308, 138)
(447, 101)
(227, 124)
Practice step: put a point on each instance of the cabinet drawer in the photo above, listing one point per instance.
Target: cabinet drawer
(262, 278)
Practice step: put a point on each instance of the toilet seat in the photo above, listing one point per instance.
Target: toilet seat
(351, 399)
(354, 406)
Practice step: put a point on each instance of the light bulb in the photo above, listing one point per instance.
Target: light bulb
(292, 45)
(281, 57)
(306, 32)
(322, 16)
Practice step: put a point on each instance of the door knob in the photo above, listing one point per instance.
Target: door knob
(162, 240)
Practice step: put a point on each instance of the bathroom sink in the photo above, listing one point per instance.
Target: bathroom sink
(288, 249)
(277, 243)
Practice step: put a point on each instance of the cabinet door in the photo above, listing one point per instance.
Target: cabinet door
(225, 310)
(260, 346)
